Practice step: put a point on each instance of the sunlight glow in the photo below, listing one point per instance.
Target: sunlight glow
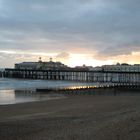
(87, 59)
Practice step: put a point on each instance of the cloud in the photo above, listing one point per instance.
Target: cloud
(104, 28)
(63, 55)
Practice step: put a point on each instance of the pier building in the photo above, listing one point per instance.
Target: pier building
(122, 67)
(40, 65)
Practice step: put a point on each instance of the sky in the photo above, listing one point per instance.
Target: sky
(75, 32)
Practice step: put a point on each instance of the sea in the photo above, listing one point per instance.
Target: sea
(13, 91)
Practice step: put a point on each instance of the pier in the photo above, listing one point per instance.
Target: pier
(116, 77)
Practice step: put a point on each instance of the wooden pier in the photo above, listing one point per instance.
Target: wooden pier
(118, 77)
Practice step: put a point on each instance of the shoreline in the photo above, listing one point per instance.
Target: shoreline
(78, 117)
(31, 95)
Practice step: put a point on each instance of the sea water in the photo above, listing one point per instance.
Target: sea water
(14, 91)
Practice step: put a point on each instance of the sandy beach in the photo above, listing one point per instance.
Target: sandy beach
(77, 117)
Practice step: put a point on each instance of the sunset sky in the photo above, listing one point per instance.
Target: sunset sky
(76, 32)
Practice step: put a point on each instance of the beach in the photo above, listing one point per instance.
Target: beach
(76, 117)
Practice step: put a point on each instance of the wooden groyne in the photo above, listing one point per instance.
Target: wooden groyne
(99, 89)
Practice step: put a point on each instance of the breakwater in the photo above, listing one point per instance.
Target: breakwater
(98, 89)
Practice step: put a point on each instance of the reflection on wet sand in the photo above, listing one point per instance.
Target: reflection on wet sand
(21, 96)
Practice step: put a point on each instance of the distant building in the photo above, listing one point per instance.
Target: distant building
(96, 69)
(51, 65)
(40, 65)
(84, 67)
(122, 67)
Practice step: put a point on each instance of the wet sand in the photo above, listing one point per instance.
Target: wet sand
(77, 117)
